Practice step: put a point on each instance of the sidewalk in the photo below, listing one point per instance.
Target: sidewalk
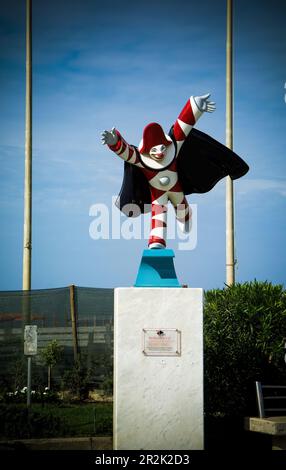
(68, 443)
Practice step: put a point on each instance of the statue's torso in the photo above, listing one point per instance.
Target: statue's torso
(163, 181)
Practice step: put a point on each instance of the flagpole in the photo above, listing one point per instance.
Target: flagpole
(27, 249)
(230, 262)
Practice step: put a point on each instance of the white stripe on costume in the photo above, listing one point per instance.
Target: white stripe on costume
(159, 232)
(155, 181)
(182, 211)
(161, 200)
(125, 154)
(186, 128)
(176, 197)
(196, 112)
(161, 217)
(133, 158)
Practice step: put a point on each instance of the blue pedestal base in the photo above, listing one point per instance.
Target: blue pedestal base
(157, 269)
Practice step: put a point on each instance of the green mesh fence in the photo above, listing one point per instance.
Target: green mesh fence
(53, 311)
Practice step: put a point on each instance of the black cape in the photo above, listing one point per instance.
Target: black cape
(201, 163)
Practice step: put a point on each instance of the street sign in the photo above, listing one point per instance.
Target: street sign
(30, 340)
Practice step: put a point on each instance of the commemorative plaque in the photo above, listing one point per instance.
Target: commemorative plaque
(161, 342)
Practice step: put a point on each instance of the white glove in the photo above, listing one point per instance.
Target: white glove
(109, 137)
(204, 104)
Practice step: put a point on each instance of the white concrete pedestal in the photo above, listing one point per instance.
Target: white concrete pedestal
(158, 400)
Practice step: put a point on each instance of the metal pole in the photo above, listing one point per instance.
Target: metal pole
(260, 399)
(28, 154)
(29, 375)
(230, 262)
(74, 322)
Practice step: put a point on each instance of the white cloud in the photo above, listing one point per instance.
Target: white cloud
(246, 186)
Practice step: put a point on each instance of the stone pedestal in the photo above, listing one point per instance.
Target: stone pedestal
(158, 369)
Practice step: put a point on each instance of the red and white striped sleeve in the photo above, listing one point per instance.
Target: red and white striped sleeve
(125, 151)
(186, 120)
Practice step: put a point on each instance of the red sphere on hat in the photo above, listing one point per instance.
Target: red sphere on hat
(153, 134)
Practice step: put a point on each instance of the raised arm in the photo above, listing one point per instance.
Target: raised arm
(189, 115)
(117, 144)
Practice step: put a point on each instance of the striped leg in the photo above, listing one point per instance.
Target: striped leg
(157, 238)
(182, 210)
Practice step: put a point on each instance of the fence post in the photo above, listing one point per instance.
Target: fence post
(74, 321)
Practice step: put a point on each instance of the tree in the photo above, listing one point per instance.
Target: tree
(78, 379)
(51, 355)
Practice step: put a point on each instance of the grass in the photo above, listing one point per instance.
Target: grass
(77, 420)
(87, 419)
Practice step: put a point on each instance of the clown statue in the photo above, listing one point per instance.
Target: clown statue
(167, 167)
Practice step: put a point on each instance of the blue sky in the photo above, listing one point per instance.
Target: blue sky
(98, 65)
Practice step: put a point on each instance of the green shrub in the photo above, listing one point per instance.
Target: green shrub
(107, 385)
(244, 334)
(78, 379)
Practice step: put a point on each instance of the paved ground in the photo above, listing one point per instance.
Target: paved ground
(75, 443)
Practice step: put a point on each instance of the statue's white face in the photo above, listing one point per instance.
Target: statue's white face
(158, 152)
